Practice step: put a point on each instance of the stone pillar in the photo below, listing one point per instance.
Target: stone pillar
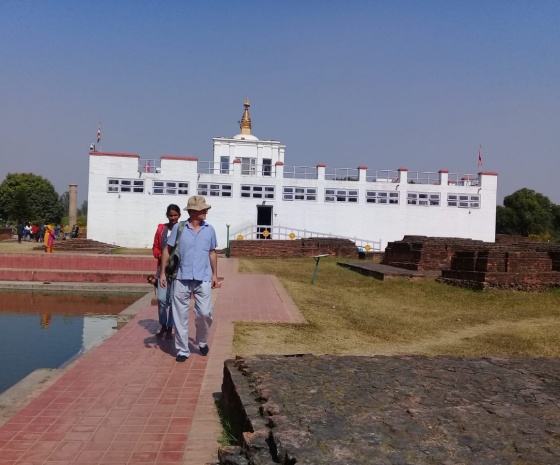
(73, 205)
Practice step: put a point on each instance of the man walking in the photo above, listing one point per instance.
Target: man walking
(198, 274)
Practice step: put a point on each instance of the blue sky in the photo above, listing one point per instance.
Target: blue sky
(386, 84)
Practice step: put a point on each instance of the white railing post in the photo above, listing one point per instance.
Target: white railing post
(279, 169)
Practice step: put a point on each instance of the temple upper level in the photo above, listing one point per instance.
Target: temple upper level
(257, 157)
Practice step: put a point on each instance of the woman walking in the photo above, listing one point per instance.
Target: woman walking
(49, 238)
(165, 294)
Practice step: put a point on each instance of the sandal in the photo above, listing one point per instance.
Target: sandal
(162, 331)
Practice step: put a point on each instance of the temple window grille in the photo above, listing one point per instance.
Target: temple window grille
(214, 190)
(341, 195)
(382, 197)
(299, 193)
(118, 185)
(257, 192)
(248, 166)
(463, 200)
(170, 188)
(423, 199)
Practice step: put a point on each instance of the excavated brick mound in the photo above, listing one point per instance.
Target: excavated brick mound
(348, 410)
(531, 267)
(82, 245)
(423, 253)
(293, 249)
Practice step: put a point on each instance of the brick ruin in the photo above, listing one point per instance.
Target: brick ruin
(423, 253)
(524, 267)
(293, 249)
(507, 264)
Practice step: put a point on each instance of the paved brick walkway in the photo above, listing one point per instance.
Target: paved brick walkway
(129, 402)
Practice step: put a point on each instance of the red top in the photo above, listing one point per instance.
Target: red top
(156, 248)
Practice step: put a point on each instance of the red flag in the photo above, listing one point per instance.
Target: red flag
(480, 157)
(99, 133)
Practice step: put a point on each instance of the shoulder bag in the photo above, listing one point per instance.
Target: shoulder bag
(173, 264)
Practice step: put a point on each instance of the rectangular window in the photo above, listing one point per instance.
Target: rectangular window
(382, 197)
(463, 200)
(257, 192)
(423, 199)
(214, 190)
(341, 195)
(249, 166)
(116, 185)
(224, 165)
(170, 188)
(266, 167)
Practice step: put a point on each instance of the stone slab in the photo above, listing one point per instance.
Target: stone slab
(383, 272)
(394, 410)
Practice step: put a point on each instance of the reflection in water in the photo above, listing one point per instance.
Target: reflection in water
(45, 320)
(47, 330)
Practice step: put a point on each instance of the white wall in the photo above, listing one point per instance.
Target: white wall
(130, 219)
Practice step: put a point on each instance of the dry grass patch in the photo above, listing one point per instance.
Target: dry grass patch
(353, 314)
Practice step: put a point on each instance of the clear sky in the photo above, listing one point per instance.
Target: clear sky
(386, 84)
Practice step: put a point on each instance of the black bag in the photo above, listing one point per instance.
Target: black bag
(172, 266)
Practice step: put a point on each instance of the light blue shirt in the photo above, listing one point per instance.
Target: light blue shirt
(194, 251)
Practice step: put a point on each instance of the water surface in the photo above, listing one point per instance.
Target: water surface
(45, 330)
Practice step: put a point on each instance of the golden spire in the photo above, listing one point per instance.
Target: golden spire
(245, 123)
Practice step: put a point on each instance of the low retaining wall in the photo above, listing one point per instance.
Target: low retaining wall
(293, 249)
(66, 262)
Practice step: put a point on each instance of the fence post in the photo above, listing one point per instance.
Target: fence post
(227, 241)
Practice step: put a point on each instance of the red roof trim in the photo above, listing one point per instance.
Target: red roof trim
(279, 163)
(362, 167)
(488, 173)
(177, 157)
(443, 171)
(237, 160)
(402, 169)
(113, 154)
(321, 165)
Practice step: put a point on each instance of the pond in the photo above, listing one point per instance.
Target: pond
(47, 330)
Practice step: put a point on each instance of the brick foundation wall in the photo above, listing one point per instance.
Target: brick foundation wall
(293, 249)
(525, 267)
(424, 253)
(5, 233)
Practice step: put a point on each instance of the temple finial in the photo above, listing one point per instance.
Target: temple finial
(245, 123)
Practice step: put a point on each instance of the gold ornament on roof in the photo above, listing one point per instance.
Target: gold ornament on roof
(245, 123)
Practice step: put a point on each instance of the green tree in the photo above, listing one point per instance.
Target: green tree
(29, 197)
(526, 212)
(82, 211)
(64, 200)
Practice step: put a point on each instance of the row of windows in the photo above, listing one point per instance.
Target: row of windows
(292, 193)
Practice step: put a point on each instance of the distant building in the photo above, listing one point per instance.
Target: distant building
(258, 196)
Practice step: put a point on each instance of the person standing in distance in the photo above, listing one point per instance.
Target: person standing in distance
(198, 274)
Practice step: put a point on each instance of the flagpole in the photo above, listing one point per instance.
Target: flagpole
(480, 156)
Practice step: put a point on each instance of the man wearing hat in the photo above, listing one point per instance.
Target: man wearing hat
(198, 274)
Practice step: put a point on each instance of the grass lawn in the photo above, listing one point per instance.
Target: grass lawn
(353, 314)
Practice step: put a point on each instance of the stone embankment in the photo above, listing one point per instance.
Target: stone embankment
(339, 410)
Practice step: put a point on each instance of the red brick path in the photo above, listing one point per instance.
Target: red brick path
(128, 401)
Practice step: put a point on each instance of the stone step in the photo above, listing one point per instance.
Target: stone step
(84, 276)
(56, 261)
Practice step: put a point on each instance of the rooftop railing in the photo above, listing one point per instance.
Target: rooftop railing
(382, 176)
(342, 174)
(300, 172)
(147, 165)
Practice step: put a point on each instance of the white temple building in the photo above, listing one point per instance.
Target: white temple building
(255, 195)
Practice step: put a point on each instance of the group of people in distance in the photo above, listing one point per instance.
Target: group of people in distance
(197, 275)
(47, 233)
